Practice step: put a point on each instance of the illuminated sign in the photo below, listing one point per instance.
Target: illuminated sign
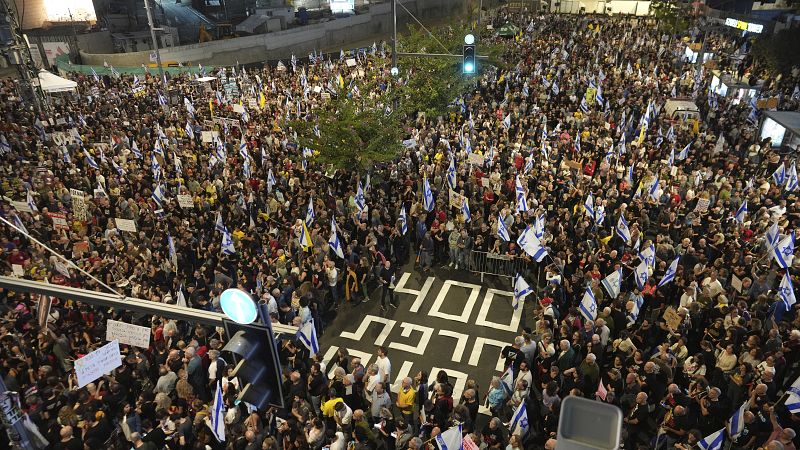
(71, 11)
(746, 26)
(342, 6)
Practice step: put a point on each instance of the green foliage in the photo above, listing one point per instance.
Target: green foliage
(353, 132)
(671, 16)
(779, 52)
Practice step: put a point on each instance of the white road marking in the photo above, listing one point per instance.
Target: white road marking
(461, 343)
(487, 305)
(467, 311)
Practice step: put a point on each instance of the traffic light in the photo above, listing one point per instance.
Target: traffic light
(255, 355)
(470, 64)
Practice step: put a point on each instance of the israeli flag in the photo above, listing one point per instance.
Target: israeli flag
(18, 223)
(135, 150)
(648, 255)
(468, 145)
(507, 121)
(94, 74)
(119, 169)
(538, 226)
(600, 215)
(588, 306)
(227, 243)
(361, 203)
(451, 174)
(736, 422)
(528, 164)
(178, 163)
(310, 212)
(771, 238)
(155, 167)
(465, 211)
(786, 291)
(450, 439)
(243, 148)
(784, 251)
(159, 195)
(31, 203)
(507, 381)
(713, 441)
(793, 397)
(599, 96)
(246, 170)
(578, 143)
(791, 179)
(669, 275)
(521, 290)
(532, 246)
(588, 204)
(217, 416)
(622, 229)
(427, 196)
(519, 422)
(671, 134)
(189, 129)
(218, 224)
(308, 336)
(404, 220)
(741, 212)
(671, 159)
(555, 88)
(270, 180)
(173, 255)
(501, 229)
(653, 191)
(91, 162)
(334, 242)
(779, 175)
(642, 274)
(522, 202)
(584, 105)
(613, 283)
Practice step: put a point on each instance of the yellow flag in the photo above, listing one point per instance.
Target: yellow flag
(262, 101)
(641, 135)
(211, 106)
(341, 81)
(305, 238)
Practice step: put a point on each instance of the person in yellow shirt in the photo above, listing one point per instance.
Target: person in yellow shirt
(329, 407)
(405, 400)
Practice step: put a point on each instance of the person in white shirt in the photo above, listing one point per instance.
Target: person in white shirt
(384, 365)
(711, 286)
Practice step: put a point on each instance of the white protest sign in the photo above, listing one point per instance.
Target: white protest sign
(97, 363)
(475, 158)
(702, 205)
(125, 225)
(350, 62)
(21, 206)
(17, 270)
(79, 207)
(126, 333)
(206, 136)
(237, 108)
(185, 201)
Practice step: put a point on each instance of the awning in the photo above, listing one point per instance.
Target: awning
(54, 83)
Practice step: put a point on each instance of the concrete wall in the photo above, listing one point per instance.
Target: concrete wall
(282, 44)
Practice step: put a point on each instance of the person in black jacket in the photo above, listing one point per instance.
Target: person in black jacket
(387, 280)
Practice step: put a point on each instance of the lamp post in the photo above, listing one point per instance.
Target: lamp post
(155, 41)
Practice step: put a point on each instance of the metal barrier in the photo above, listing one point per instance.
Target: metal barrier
(487, 263)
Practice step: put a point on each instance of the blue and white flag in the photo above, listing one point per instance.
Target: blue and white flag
(310, 212)
(519, 422)
(521, 290)
(599, 215)
(599, 96)
(588, 306)
(155, 167)
(671, 159)
(217, 416)
(427, 196)
(334, 242)
(501, 229)
(227, 243)
(218, 224)
(771, 238)
(584, 106)
(793, 398)
(178, 163)
(741, 212)
(786, 291)
(159, 195)
(648, 255)
(784, 251)
(157, 148)
(450, 439)
(622, 229)
(507, 121)
(538, 226)
(588, 204)
(780, 175)
(685, 152)
(91, 162)
(507, 381)
(308, 336)
(189, 129)
(18, 223)
(669, 275)
(671, 133)
(361, 202)
(791, 178)
(270, 180)
(613, 283)
(173, 255)
(653, 191)
(135, 150)
(736, 422)
(465, 211)
(713, 441)
(118, 168)
(451, 174)
(403, 220)
(522, 201)
(243, 149)
(95, 76)
(532, 245)
(641, 273)
(29, 200)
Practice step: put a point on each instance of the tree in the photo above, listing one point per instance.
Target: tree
(780, 52)
(353, 131)
(670, 15)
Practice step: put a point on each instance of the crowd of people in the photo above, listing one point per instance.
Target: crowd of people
(679, 350)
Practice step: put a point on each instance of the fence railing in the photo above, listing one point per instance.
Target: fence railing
(487, 263)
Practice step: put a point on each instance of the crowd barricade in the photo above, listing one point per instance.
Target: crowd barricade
(486, 263)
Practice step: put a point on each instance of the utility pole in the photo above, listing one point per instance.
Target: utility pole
(155, 41)
(19, 54)
(394, 34)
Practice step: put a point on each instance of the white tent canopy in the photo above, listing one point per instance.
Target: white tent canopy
(53, 83)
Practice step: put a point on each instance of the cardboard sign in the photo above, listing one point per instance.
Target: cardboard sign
(97, 363)
(80, 247)
(317, 89)
(80, 209)
(702, 205)
(475, 158)
(351, 62)
(573, 164)
(125, 225)
(59, 221)
(736, 283)
(456, 199)
(128, 334)
(672, 318)
(206, 136)
(17, 270)
(237, 108)
(326, 95)
(185, 201)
